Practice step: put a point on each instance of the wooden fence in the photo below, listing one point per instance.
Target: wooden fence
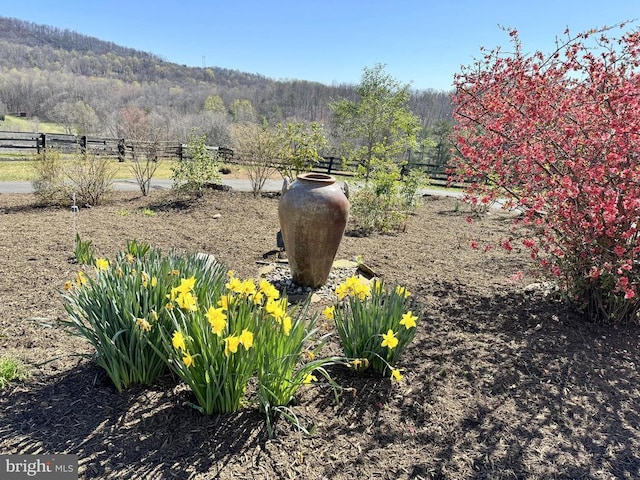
(437, 173)
(119, 148)
(123, 150)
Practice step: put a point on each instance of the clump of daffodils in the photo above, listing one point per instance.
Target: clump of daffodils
(374, 322)
(220, 340)
(145, 312)
(121, 307)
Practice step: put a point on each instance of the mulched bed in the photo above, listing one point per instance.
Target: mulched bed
(502, 380)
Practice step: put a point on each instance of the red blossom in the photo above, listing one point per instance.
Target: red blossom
(516, 277)
(506, 245)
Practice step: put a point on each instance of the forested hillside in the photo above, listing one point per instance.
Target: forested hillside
(85, 83)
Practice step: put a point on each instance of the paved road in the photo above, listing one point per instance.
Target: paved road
(130, 184)
(242, 185)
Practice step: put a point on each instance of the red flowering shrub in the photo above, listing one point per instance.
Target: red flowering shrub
(558, 135)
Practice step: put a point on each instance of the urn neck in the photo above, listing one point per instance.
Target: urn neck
(319, 178)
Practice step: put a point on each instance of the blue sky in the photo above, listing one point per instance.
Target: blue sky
(420, 42)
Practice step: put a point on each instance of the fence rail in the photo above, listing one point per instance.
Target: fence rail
(120, 148)
(124, 149)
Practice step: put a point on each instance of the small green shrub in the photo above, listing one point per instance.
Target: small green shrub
(299, 147)
(374, 213)
(91, 178)
(143, 169)
(410, 185)
(201, 167)
(11, 370)
(386, 200)
(49, 183)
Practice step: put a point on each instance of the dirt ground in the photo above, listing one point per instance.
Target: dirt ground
(500, 382)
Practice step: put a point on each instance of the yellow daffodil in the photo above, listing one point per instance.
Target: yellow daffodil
(352, 281)
(187, 284)
(129, 258)
(257, 298)
(145, 278)
(286, 324)
(81, 279)
(143, 324)
(68, 286)
(400, 290)
(277, 309)
(169, 306)
(408, 320)
(353, 286)
(389, 340)
(329, 312)
(309, 355)
(360, 364)
(269, 290)
(174, 272)
(308, 378)
(102, 264)
(234, 285)
(396, 375)
(341, 291)
(217, 320)
(177, 340)
(378, 286)
(187, 359)
(154, 282)
(231, 345)
(154, 315)
(247, 288)
(362, 291)
(246, 339)
(231, 273)
(225, 302)
(187, 301)
(119, 272)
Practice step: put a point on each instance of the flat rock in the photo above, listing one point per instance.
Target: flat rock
(263, 271)
(343, 263)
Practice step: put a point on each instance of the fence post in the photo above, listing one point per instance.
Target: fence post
(330, 165)
(121, 150)
(83, 144)
(41, 142)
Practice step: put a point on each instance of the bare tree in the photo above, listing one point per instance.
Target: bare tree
(259, 149)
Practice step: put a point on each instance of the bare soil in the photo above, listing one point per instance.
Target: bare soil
(501, 381)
